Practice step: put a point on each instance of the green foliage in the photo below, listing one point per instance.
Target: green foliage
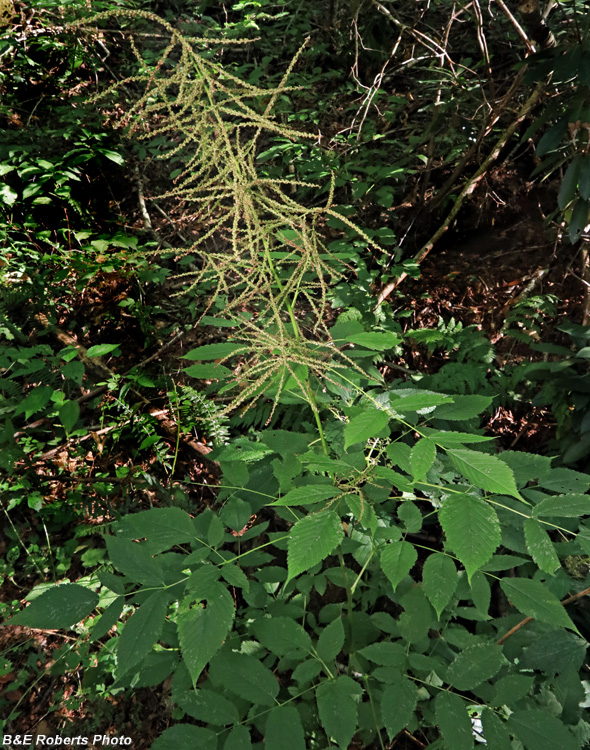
(378, 568)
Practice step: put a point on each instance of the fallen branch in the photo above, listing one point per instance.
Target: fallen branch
(468, 188)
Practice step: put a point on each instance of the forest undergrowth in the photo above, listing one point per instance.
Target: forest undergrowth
(294, 433)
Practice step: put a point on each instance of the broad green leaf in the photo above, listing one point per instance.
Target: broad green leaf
(235, 576)
(464, 407)
(36, 400)
(386, 654)
(578, 220)
(417, 619)
(364, 426)
(238, 739)
(472, 529)
(141, 631)
(480, 592)
(422, 457)
(406, 400)
(535, 600)
(448, 439)
(485, 471)
(512, 688)
(331, 640)
(306, 671)
(205, 705)
(68, 414)
(565, 480)
(410, 514)
(59, 607)
(403, 484)
(102, 625)
(539, 730)
(112, 155)
(454, 722)
(282, 636)
(399, 453)
(569, 183)
(337, 702)
(308, 495)
(210, 352)
(236, 513)
(101, 349)
(162, 527)
(439, 580)
(555, 652)
(584, 178)
(540, 546)
(202, 631)
(245, 676)
(495, 733)
(526, 466)
(134, 560)
(284, 730)
(397, 559)
(207, 372)
(312, 539)
(398, 703)
(375, 340)
(185, 737)
(474, 665)
(564, 506)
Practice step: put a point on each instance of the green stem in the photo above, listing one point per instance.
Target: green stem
(297, 333)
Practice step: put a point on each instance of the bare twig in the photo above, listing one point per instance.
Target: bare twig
(522, 623)
(468, 188)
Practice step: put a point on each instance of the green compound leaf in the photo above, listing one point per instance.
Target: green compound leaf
(472, 530)
(485, 471)
(564, 506)
(308, 495)
(331, 640)
(422, 457)
(536, 601)
(540, 546)
(282, 636)
(311, 540)
(185, 737)
(439, 580)
(397, 704)
(245, 676)
(364, 426)
(474, 665)
(454, 721)
(59, 607)
(337, 702)
(397, 559)
(202, 631)
(141, 631)
(538, 730)
(284, 730)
